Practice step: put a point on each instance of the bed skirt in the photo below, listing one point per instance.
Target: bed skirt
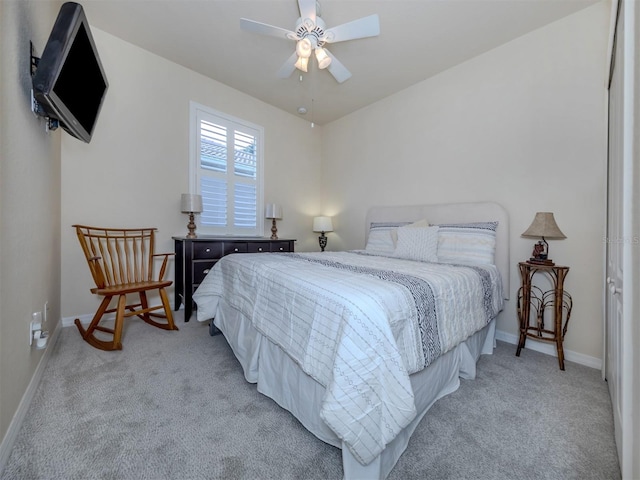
(280, 378)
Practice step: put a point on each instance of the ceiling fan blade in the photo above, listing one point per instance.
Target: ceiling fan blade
(265, 29)
(307, 10)
(337, 69)
(288, 67)
(361, 28)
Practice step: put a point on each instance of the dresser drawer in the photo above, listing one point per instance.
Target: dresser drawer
(207, 250)
(234, 247)
(257, 247)
(200, 270)
(280, 246)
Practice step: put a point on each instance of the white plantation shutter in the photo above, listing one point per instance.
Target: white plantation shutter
(226, 169)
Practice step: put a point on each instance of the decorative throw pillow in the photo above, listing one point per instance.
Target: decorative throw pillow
(467, 242)
(380, 241)
(417, 243)
(418, 224)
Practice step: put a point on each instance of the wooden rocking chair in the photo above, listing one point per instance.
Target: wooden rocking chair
(121, 263)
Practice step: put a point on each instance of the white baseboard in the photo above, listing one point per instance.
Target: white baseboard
(550, 349)
(27, 398)
(84, 319)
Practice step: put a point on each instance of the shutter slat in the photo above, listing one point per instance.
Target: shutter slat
(214, 202)
(244, 155)
(245, 205)
(213, 146)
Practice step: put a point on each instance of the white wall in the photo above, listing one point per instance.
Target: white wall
(29, 204)
(136, 166)
(522, 125)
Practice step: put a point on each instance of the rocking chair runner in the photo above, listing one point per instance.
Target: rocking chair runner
(121, 263)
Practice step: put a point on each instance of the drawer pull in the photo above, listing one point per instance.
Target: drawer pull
(206, 271)
(207, 250)
(260, 249)
(281, 249)
(235, 249)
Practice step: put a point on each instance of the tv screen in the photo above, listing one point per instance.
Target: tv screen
(69, 82)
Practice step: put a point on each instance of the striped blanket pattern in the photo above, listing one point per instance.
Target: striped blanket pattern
(359, 325)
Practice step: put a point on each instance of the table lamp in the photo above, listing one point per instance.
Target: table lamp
(544, 226)
(191, 204)
(322, 225)
(274, 212)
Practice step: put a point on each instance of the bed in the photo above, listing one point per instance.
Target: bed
(359, 345)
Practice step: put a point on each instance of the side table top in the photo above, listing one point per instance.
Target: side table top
(540, 266)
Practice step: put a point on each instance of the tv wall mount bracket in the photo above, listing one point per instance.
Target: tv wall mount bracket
(50, 123)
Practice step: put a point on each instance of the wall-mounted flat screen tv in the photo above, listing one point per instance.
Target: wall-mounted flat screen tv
(69, 81)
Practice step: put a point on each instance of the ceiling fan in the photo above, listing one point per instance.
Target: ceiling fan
(311, 35)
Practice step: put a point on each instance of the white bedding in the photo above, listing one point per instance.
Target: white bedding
(385, 331)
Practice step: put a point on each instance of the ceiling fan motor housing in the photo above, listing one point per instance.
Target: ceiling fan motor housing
(315, 33)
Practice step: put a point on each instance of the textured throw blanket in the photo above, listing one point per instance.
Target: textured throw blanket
(358, 324)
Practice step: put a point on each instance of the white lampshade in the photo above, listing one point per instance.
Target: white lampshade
(191, 203)
(301, 63)
(324, 60)
(303, 48)
(273, 210)
(322, 224)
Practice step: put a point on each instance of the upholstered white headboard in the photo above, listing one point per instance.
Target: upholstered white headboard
(454, 213)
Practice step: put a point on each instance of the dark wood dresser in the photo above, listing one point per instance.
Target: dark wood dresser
(195, 256)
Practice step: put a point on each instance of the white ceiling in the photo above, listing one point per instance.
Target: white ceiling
(418, 39)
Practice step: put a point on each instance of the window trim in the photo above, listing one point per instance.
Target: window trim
(194, 187)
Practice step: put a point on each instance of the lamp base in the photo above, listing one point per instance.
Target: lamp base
(540, 254)
(274, 230)
(541, 261)
(322, 240)
(192, 227)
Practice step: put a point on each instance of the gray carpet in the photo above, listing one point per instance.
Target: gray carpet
(175, 405)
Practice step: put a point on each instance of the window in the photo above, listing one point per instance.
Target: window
(226, 169)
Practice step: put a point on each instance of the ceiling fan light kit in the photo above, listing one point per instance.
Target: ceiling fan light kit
(323, 59)
(301, 64)
(303, 48)
(311, 35)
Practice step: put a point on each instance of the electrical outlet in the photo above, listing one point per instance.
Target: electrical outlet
(35, 325)
(33, 328)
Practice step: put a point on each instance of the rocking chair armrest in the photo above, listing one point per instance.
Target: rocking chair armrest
(164, 263)
(96, 269)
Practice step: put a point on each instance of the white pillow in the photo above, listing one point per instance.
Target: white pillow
(467, 242)
(379, 241)
(418, 224)
(417, 243)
